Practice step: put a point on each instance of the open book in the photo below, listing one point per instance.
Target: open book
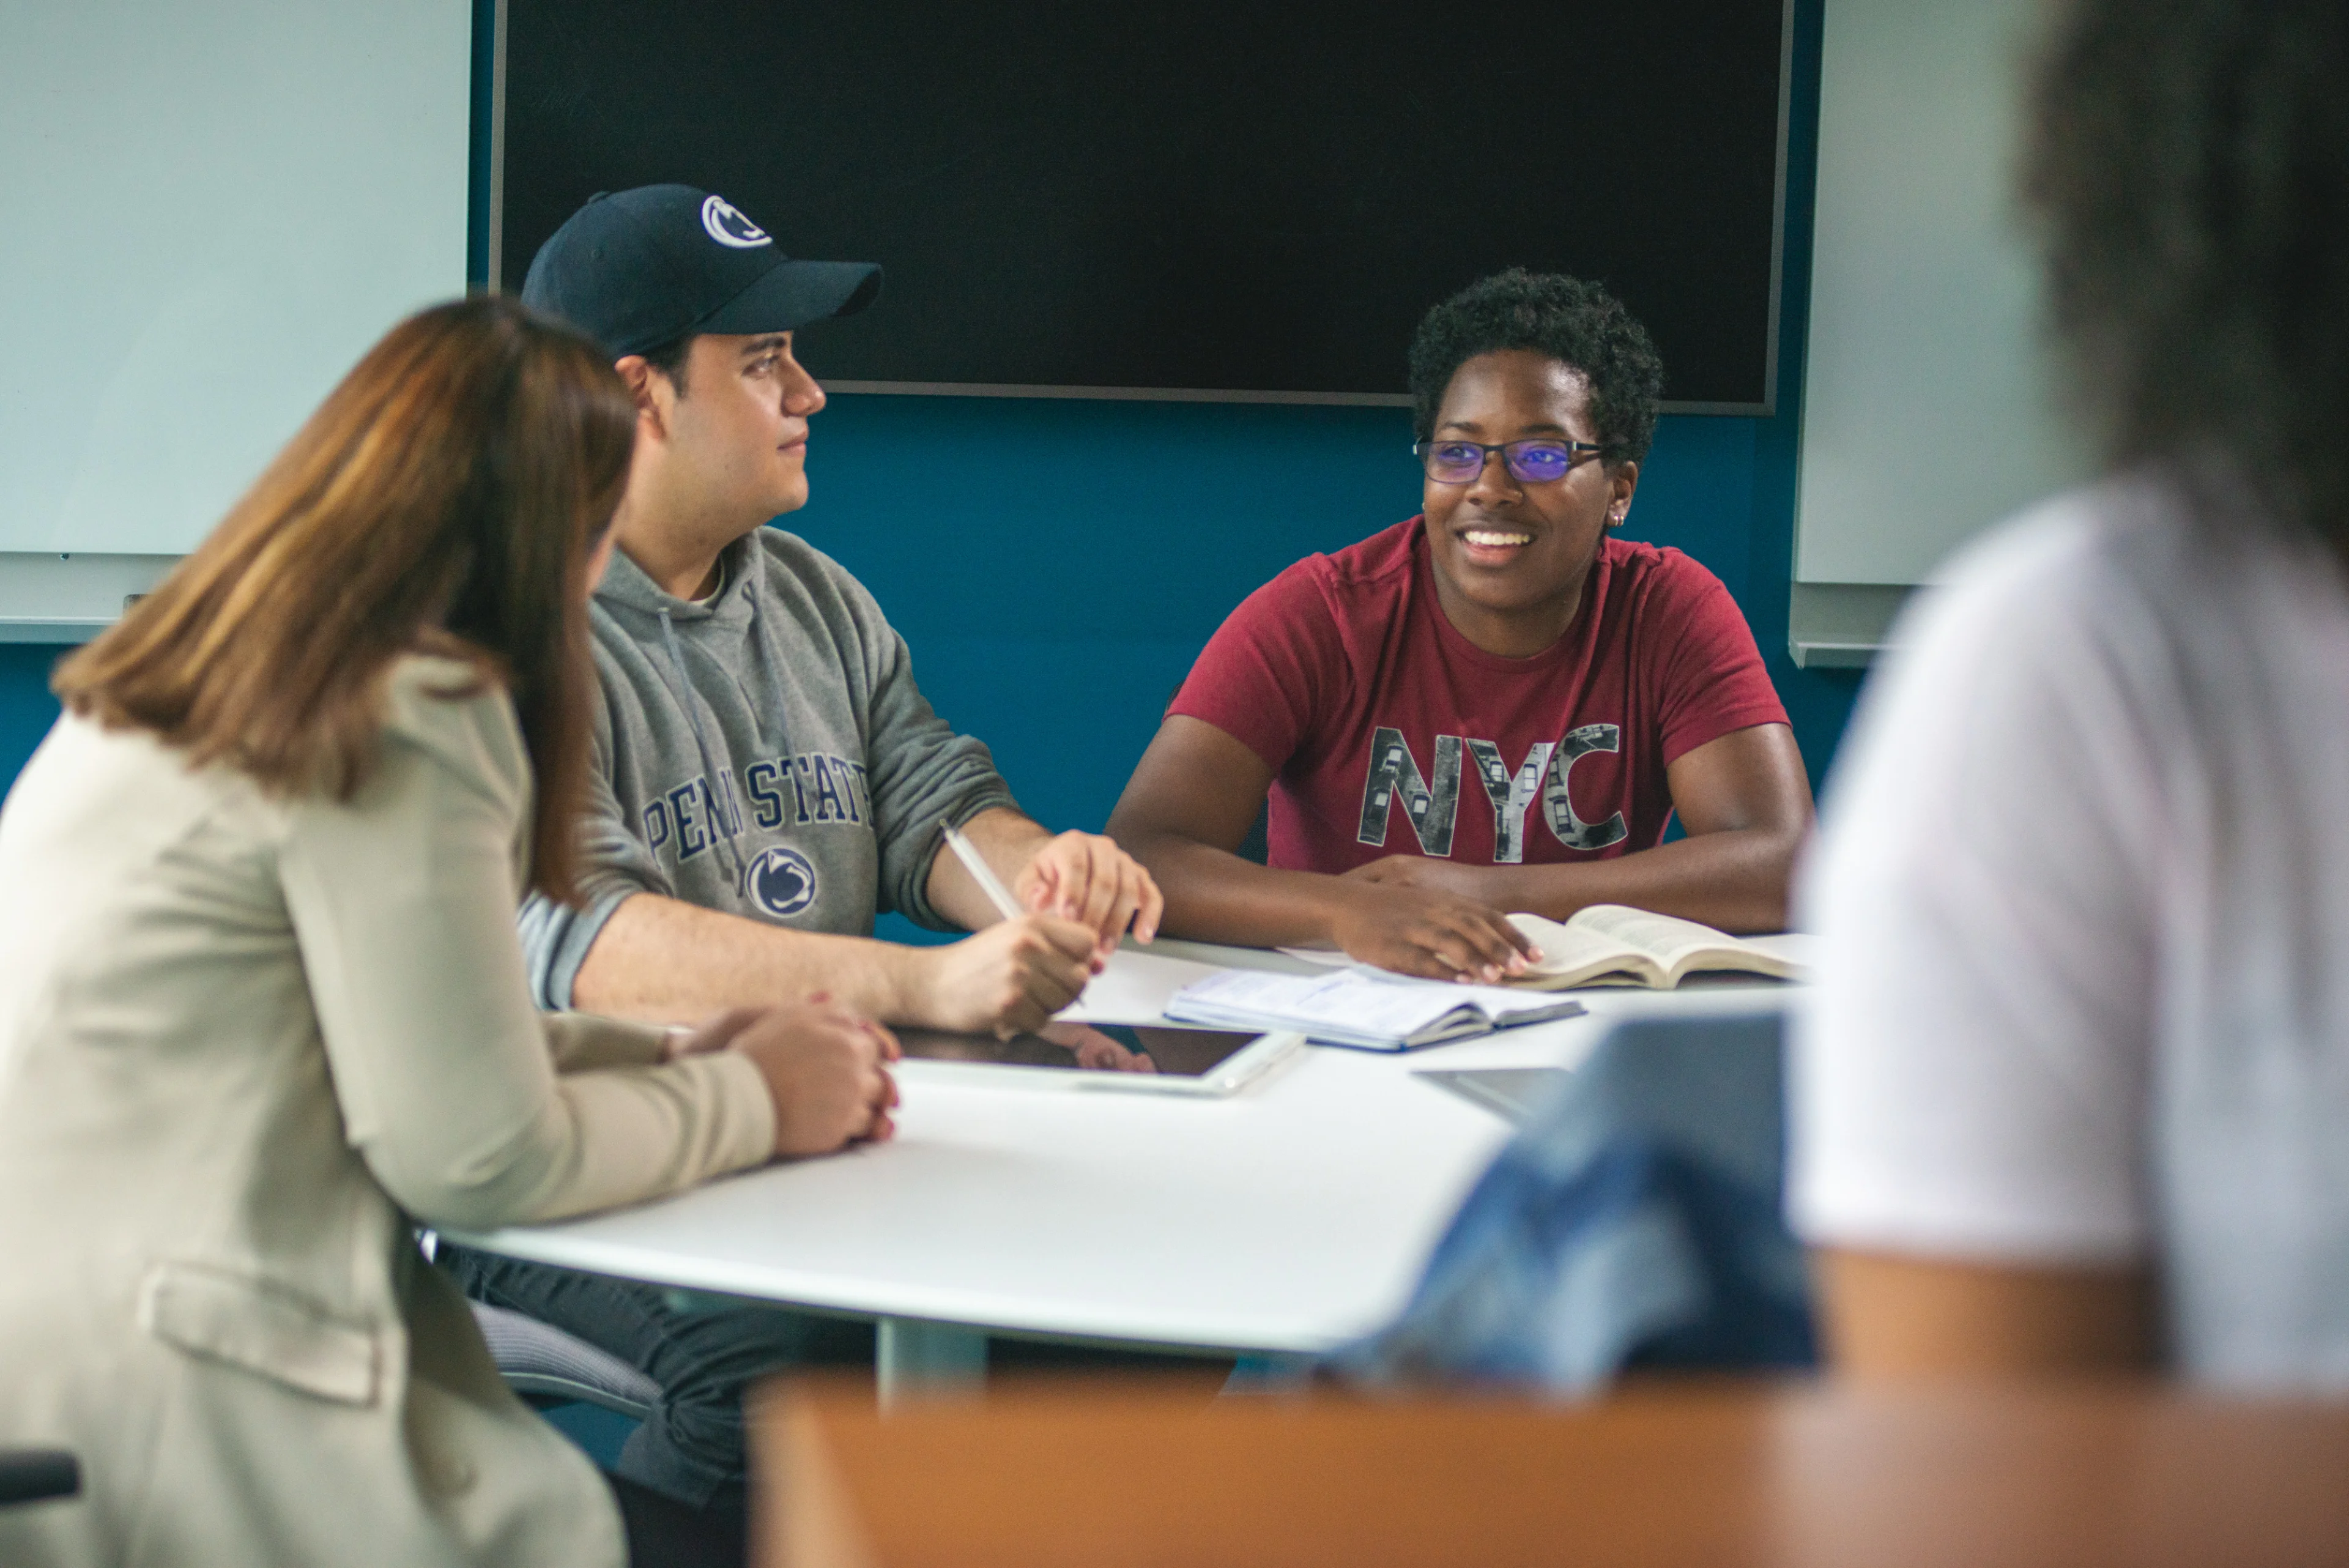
(1614, 944)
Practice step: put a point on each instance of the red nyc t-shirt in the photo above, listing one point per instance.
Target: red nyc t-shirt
(1390, 732)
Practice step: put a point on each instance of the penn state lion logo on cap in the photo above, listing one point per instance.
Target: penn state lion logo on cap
(780, 881)
(728, 226)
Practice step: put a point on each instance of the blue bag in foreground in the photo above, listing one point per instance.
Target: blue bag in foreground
(1637, 1221)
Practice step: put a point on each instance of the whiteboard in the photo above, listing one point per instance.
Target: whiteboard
(212, 208)
(1926, 407)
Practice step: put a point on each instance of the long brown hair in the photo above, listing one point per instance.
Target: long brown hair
(446, 498)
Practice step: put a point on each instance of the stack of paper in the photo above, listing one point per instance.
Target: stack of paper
(1359, 1009)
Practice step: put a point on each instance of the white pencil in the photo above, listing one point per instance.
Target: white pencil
(981, 873)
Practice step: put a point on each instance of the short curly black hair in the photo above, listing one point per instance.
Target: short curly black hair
(1576, 323)
(2187, 167)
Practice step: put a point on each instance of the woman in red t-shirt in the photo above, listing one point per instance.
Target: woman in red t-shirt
(1494, 706)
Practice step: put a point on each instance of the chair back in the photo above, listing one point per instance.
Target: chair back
(541, 1362)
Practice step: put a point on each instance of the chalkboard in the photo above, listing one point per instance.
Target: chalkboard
(1211, 198)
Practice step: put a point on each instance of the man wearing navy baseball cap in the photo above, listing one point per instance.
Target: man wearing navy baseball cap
(651, 267)
(768, 775)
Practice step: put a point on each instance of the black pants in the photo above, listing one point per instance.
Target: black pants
(663, 1533)
(690, 1447)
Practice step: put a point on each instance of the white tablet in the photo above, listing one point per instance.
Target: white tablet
(1142, 1059)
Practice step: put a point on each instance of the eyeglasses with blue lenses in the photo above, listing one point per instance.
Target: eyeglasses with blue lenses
(1535, 462)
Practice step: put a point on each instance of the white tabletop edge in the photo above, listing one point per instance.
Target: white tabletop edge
(768, 1286)
(1184, 1245)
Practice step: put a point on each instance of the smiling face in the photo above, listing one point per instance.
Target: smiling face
(1511, 556)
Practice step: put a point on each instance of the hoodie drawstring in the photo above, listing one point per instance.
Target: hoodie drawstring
(727, 814)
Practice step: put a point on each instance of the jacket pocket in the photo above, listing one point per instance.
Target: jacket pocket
(261, 1327)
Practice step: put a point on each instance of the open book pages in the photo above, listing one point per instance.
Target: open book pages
(1613, 944)
(1358, 1008)
(1628, 947)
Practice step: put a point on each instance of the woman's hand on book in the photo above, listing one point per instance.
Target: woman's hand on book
(1389, 921)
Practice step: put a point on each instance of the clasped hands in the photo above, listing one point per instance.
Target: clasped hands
(826, 1070)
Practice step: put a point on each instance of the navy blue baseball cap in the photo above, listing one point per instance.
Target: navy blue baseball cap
(635, 269)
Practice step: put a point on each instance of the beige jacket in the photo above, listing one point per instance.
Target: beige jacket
(245, 1044)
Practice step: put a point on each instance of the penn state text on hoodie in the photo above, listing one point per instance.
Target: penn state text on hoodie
(763, 751)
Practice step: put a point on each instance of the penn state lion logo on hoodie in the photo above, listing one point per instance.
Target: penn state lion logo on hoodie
(780, 881)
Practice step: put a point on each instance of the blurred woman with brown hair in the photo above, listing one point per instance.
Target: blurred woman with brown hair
(262, 1007)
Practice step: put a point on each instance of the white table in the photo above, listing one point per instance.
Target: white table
(1287, 1219)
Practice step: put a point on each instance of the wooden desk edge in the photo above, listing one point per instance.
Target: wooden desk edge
(1057, 1471)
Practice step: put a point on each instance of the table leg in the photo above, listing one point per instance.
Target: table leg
(915, 1360)
(1271, 1372)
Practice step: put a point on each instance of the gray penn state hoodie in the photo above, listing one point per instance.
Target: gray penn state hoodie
(764, 752)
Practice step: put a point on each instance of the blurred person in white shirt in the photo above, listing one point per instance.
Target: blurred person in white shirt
(2075, 1094)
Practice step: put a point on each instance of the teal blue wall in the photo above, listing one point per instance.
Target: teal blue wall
(27, 709)
(1055, 565)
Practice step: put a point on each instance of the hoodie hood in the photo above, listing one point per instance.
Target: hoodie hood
(627, 592)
